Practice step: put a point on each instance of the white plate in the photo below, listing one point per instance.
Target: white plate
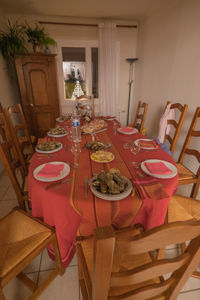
(134, 130)
(163, 176)
(62, 175)
(111, 197)
(57, 135)
(136, 142)
(50, 151)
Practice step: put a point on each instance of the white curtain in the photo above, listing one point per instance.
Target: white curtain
(107, 68)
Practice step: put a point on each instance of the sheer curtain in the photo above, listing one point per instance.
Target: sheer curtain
(107, 68)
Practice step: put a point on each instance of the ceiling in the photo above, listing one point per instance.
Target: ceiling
(116, 9)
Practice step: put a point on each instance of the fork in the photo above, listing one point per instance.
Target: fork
(68, 180)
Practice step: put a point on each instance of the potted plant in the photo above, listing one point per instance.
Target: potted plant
(37, 37)
(12, 41)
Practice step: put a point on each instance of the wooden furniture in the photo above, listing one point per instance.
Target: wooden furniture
(13, 162)
(16, 121)
(186, 176)
(121, 265)
(39, 92)
(27, 238)
(86, 103)
(179, 108)
(182, 209)
(140, 115)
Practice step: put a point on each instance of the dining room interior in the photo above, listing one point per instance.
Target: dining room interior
(100, 149)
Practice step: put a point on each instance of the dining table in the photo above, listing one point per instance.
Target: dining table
(73, 209)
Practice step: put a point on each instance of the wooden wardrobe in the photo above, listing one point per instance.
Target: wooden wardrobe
(39, 90)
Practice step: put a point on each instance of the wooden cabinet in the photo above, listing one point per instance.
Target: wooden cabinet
(39, 91)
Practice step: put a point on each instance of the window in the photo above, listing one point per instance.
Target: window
(80, 71)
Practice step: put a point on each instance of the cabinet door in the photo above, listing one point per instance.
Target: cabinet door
(38, 85)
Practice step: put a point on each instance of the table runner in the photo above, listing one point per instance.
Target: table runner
(67, 209)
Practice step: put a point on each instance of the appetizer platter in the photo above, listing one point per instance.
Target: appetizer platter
(93, 126)
(48, 147)
(102, 156)
(57, 132)
(110, 185)
(97, 145)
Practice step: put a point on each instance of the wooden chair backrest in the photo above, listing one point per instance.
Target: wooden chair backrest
(18, 124)
(191, 133)
(89, 99)
(124, 247)
(140, 116)
(10, 157)
(177, 125)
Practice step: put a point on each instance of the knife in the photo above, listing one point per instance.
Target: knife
(68, 180)
(86, 186)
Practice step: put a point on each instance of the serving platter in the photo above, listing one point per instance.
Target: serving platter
(94, 156)
(110, 197)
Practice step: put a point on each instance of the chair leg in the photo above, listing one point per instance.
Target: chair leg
(195, 190)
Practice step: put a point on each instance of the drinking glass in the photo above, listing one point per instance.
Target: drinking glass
(135, 148)
(116, 125)
(76, 150)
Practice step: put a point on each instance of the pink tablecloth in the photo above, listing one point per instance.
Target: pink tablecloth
(67, 209)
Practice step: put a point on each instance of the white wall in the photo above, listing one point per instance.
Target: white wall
(169, 64)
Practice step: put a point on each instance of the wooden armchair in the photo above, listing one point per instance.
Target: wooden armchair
(122, 264)
(140, 115)
(186, 176)
(84, 101)
(22, 238)
(176, 124)
(16, 121)
(13, 162)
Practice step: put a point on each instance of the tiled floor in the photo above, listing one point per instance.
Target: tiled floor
(67, 286)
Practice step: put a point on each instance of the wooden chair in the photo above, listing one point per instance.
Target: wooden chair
(140, 115)
(183, 209)
(23, 238)
(19, 129)
(121, 264)
(186, 176)
(176, 124)
(84, 102)
(13, 162)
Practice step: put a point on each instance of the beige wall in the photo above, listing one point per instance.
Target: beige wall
(169, 64)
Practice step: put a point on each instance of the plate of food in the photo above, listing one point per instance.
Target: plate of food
(97, 145)
(93, 126)
(159, 168)
(146, 144)
(48, 147)
(102, 156)
(127, 130)
(57, 132)
(52, 171)
(110, 185)
(62, 118)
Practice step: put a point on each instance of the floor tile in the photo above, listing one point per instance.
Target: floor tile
(10, 193)
(7, 206)
(48, 264)
(16, 290)
(64, 287)
(192, 295)
(34, 266)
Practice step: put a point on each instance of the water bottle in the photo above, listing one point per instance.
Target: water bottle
(76, 129)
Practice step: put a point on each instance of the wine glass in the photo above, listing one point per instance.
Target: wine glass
(135, 149)
(116, 125)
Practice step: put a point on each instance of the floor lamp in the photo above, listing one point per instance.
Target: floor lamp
(130, 61)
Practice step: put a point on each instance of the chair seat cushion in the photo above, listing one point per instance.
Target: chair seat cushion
(183, 208)
(184, 173)
(20, 235)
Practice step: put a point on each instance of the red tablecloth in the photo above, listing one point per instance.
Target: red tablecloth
(67, 209)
